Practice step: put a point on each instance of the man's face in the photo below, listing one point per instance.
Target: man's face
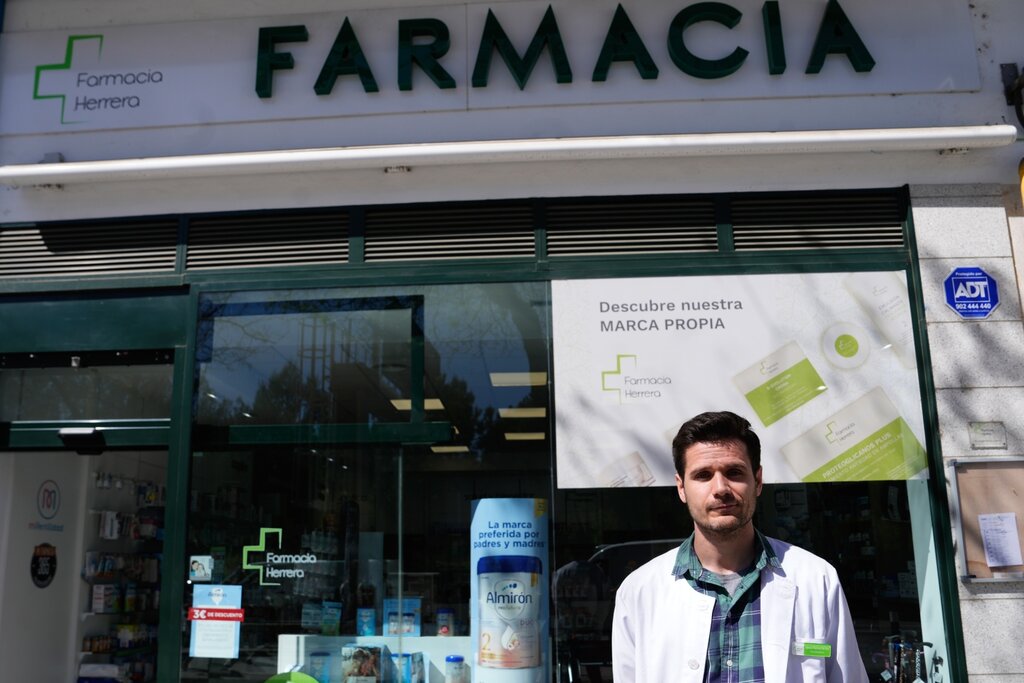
(719, 487)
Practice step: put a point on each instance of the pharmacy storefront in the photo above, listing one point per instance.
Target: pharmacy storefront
(349, 344)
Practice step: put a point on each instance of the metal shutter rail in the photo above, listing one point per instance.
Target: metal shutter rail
(252, 241)
(76, 249)
(446, 232)
(817, 222)
(631, 227)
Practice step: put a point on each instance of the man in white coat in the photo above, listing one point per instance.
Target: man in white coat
(731, 604)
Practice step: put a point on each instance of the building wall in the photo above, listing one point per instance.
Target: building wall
(978, 367)
(993, 24)
(966, 209)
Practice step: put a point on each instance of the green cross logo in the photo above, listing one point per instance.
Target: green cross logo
(609, 374)
(69, 54)
(262, 547)
(830, 434)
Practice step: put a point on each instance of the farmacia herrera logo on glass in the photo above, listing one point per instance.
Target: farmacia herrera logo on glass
(86, 88)
(275, 565)
(629, 385)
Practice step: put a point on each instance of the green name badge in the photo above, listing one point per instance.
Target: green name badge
(804, 648)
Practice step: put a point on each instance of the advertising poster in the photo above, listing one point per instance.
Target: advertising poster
(216, 618)
(823, 365)
(509, 590)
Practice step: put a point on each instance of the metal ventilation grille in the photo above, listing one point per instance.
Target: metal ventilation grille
(82, 249)
(848, 222)
(252, 241)
(652, 226)
(449, 232)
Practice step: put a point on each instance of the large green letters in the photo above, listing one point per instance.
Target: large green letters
(773, 43)
(425, 55)
(267, 60)
(495, 38)
(624, 44)
(837, 36)
(345, 58)
(688, 62)
(423, 42)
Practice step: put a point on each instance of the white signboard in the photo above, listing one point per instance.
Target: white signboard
(823, 366)
(139, 76)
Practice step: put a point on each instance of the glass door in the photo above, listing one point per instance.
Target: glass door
(93, 525)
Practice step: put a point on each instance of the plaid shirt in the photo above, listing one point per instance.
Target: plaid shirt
(734, 645)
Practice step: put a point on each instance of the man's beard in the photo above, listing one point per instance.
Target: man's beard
(723, 528)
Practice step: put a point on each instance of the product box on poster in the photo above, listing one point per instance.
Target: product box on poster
(330, 618)
(315, 655)
(409, 667)
(403, 618)
(312, 616)
(418, 674)
(366, 621)
(366, 664)
(415, 584)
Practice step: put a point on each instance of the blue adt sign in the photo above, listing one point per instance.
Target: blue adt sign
(971, 292)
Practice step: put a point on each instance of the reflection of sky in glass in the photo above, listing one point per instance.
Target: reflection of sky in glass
(470, 332)
(248, 350)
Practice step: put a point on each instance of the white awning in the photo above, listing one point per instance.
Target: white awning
(878, 140)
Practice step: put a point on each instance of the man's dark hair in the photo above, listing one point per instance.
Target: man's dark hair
(715, 428)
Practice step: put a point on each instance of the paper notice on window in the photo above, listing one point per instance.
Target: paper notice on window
(999, 534)
(216, 617)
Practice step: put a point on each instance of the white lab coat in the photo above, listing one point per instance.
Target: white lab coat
(662, 625)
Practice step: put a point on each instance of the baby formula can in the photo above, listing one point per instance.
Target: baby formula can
(510, 595)
(455, 670)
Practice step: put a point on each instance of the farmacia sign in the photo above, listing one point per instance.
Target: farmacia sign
(458, 59)
(424, 43)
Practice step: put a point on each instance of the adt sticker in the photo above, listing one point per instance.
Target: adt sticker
(971, 292)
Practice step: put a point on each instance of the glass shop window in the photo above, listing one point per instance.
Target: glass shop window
(823, 365)
(877, 535)
(332, 494)
(376, 485)
(85, 386)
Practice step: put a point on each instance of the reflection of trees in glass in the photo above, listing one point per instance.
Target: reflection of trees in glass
(215, 410)
(238, 354)
(288, 397)
(317, 364)
(476, 425)
(107, 392)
